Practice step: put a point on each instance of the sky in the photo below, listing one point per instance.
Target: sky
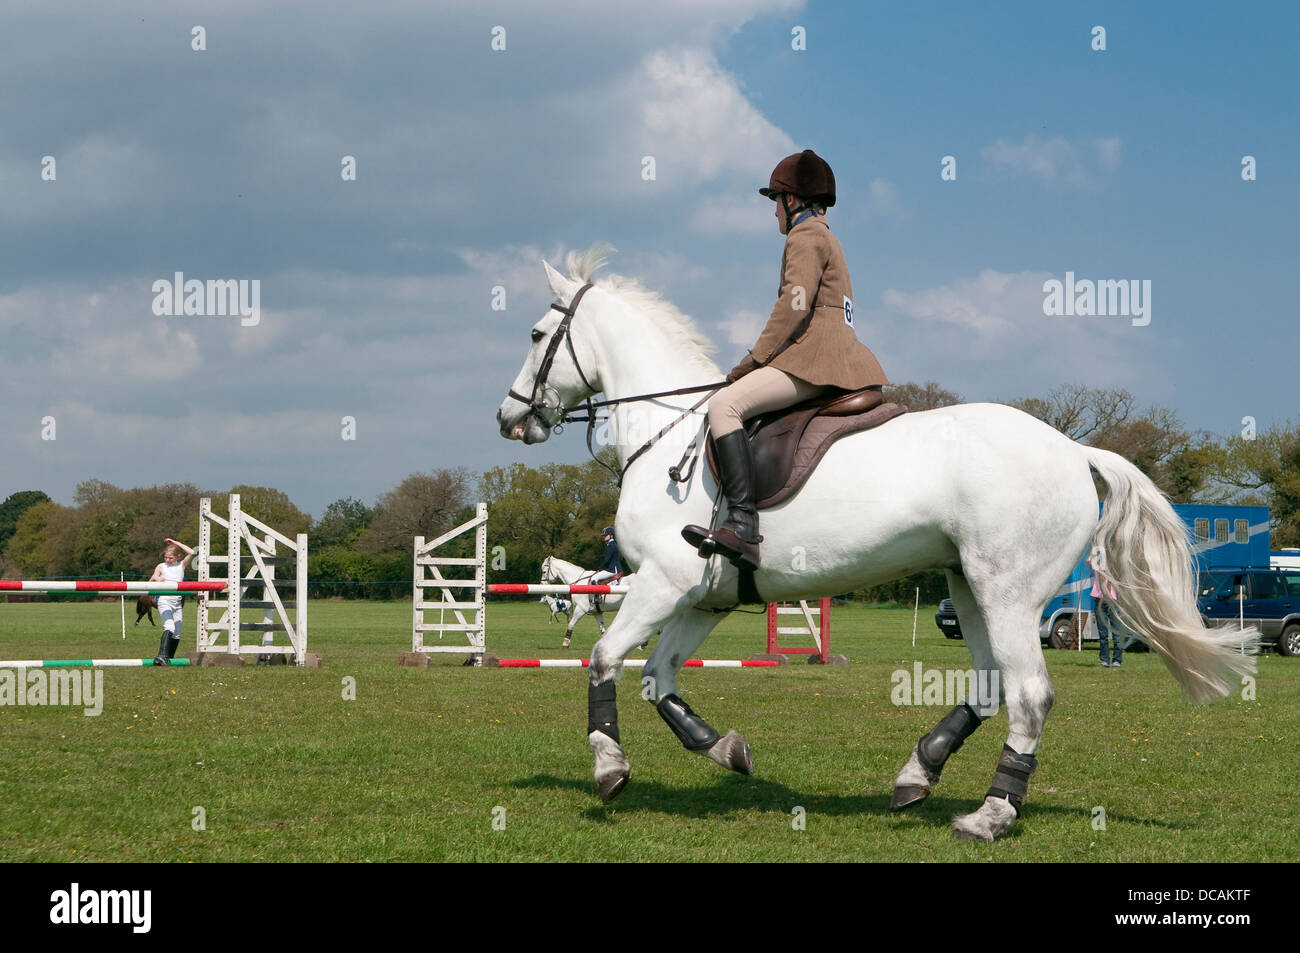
(490, 136)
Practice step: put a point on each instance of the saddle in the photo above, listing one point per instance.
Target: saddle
(786, 445)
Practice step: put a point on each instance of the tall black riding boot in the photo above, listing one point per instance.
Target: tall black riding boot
(166, 649)
(737, 538)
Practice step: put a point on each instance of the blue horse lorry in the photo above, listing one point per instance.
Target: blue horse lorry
(1223, 537)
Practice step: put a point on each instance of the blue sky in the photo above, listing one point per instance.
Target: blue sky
(474, 164)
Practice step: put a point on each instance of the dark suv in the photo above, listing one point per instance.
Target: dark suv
(1266, 598)
(946, 619)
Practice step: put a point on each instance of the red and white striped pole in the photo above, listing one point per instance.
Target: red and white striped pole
(46, 585)
(533, 589)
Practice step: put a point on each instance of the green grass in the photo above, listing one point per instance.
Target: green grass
(286, 769)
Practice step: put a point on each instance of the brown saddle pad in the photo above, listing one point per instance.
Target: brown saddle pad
(788, 444)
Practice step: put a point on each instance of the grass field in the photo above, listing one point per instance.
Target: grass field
(422, 762)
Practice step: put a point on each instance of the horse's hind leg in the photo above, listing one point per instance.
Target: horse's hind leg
(921, 774)
(681, 636)
(1028, 693)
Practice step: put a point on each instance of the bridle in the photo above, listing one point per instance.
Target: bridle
(550, 412)
(552, 415)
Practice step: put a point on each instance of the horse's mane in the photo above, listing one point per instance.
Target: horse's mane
(582, 265)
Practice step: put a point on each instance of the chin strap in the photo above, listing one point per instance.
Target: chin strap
(793, 216)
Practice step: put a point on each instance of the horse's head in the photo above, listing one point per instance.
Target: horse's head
(546, 570)
(559, 370)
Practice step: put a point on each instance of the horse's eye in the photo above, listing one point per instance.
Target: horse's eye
(537, 335)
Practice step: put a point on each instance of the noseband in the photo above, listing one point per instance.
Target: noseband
(537, 404)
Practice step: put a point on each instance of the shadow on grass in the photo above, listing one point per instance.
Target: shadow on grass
(732, 793)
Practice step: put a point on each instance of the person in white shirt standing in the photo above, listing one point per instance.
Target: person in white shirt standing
(172, 570)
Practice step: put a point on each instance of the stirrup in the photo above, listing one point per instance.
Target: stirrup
(743, 553)
(699, 537)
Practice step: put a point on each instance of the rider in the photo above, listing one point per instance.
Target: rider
(611, 567)
(808, 347)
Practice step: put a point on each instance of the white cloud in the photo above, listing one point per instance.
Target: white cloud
(733, 215)
(884, 200)
(743, 327)
(977, 304)
(987, 338)
(98, 172)
(682, 108)
(1057, 159)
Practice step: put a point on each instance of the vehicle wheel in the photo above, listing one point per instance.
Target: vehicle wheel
(1288, 642)
(1065, 635)
(1132, 644)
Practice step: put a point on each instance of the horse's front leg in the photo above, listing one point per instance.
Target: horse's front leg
(640, 617)
(577, 614)
(681, 636)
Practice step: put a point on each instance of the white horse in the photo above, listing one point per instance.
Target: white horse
(555, 569)
(556, 606)
(1005, 504)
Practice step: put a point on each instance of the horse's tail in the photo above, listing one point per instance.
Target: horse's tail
(1142, 549)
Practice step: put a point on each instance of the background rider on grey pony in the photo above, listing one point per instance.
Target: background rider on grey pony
(808, 347)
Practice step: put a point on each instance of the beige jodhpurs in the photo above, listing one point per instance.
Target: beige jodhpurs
(757, 392)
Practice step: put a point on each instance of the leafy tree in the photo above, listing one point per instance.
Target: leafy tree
(170, 510)
(42, 543)
(1078, 411)
(917, 397)
(424, 504)
(14, 507)
(342, 523)
(1263, 469)
(270, 506)
(556, 509)
(1158, 444)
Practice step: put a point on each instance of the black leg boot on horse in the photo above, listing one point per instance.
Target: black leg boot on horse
(737, 538)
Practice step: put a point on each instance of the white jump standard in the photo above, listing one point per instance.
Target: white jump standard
(468, 610)
(245, 548)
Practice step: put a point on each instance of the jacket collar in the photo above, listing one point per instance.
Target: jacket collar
(811, 221)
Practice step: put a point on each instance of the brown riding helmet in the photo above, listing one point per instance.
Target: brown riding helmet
(805, 174)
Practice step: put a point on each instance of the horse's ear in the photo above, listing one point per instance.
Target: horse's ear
(560, 285)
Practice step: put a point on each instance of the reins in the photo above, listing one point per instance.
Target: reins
(538, 406)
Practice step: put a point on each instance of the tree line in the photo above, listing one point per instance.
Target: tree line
(364, 551)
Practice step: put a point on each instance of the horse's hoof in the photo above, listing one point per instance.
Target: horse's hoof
(611, 786)
(564, 644)
(732, 751)
(905, 795)
(993, 819)
(971, 831)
